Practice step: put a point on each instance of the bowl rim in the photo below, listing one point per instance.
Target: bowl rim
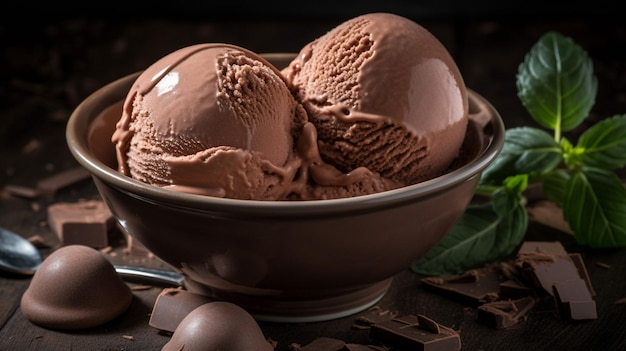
(77, 130)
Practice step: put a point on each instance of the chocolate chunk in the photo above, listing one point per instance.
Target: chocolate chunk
(581, 310)
(84, 223)
(505, 313)
(554, 248)
(373, 315)
(582, 271)
(574, 301)
(474, 287)
(172, 306)
(49, 186)
(415, 333)
(513, 290)
(543, 270)
(21, 191)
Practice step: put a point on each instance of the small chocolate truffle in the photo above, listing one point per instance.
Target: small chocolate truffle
(218, 325)
(76, 287)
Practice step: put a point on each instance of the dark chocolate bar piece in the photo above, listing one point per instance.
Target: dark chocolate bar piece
(543, 270)
(21, 191)
(172, 306)
(505, 313)
(372, 316)
(554, 248)
(473, 287)
(416, 333)
(574, 301)
(513, 290)
(582, 271)
(50, 185)
(82, 223)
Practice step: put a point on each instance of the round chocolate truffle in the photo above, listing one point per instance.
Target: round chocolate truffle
(220, 326)
(76, 287)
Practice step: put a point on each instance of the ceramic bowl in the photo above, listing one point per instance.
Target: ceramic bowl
(285, 261)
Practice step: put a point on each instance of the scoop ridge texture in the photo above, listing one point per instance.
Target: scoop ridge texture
(385, 94)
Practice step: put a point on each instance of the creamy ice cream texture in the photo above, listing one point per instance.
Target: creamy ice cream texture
(375, 104)
(385, 94)
(212, 119)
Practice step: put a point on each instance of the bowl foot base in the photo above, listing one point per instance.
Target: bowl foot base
(283, 309)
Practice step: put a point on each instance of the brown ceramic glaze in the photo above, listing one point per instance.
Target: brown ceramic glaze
(283, 261)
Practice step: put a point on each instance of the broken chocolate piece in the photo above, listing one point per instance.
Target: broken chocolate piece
(172, 306)
(543, 270)
(21, 191)
(505, 313)
(83, 223)
(574, 300)
(512, 290)
(373, 315)
(554, 248)
(582, 271)
(474, 287)
(415, 333)
(49, 186)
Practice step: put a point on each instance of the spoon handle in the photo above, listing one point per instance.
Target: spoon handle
(150, 275)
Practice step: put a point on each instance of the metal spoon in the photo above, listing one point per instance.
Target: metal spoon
(20, 256)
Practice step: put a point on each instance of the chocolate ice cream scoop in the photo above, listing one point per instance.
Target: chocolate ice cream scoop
(212, 119)
(220, 326)
(384, 94)
(75, 287)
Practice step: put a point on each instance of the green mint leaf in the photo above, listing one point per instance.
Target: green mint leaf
(526, 150)
(603, 145)
(554, 184)
(516, 184)
(556, 83)
(595, 206)
(484, 233)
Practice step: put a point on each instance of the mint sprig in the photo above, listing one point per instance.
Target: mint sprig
(557, 86)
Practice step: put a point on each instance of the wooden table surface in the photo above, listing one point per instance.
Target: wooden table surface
(51, 66)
